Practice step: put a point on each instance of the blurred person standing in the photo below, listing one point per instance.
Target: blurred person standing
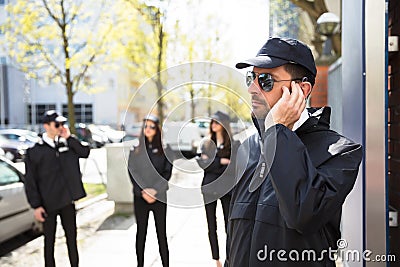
(215, 158)
(149, 171)
(54, 182)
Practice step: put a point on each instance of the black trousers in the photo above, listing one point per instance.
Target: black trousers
(212, 222)
(68, 222)
(142, 210)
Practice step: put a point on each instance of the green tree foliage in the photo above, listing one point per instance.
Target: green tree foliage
(149, 53)
(284, 19)
(60, 41)
(198, 38)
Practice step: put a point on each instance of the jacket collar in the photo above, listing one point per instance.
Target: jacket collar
(48, 140)
(319, 120)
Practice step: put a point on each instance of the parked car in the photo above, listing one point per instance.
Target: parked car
(133, 130)
(184, 137)
(13, 150)
(20, 135)
(98, 136)
(87, 133)
(114, 136)
(204, 126)
(16, 216)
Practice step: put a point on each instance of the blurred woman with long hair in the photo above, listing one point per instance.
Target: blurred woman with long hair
(149, 171)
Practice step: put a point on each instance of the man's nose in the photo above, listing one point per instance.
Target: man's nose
(254, 88)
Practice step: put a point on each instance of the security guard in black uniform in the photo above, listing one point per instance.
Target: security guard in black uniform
(53, 183)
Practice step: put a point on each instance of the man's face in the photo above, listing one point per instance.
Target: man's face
(52, 130)
(262, 101)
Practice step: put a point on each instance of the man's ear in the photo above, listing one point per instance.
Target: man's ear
(46, 126)
(306, 87)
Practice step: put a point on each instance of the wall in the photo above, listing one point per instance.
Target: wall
(353, 125)
(319, 96)
(335, 95)
(394, 125)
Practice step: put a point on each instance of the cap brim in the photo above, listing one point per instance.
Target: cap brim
(265, 62)
(61, 119)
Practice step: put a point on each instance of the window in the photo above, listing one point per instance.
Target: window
(7, 175)
(35, 113)
(13, 137)
(83, 112)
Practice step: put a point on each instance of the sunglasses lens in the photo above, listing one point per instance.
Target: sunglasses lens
(150, 126)
(250, 76)
(266, 82)
(57, 124)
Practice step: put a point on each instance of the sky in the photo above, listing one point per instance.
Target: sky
(242, 24)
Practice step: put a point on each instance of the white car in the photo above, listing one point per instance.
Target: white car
(204, 126)
(182, 136)
(16, 216)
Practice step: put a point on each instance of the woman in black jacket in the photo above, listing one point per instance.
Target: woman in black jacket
(215, 158)
(149, 171)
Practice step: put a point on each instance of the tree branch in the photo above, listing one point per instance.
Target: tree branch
(51, 13)
(80, 76)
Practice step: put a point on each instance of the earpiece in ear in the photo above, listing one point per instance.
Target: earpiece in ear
(304, 79)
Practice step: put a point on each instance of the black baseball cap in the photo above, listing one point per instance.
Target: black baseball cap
(280, 51)
(152, 118)
(220, 116)
(52, 115)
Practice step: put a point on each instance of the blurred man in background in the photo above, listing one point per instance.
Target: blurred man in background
(53, 183)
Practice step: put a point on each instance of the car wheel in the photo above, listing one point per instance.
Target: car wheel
(37, 228)
(9, 155)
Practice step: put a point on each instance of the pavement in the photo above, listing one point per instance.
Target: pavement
(113, 244)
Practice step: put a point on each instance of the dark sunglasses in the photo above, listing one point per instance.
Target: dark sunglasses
(58, 124)
(153, 127)
(266, 81)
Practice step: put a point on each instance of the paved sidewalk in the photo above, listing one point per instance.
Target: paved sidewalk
(114, 242)
(106, 239)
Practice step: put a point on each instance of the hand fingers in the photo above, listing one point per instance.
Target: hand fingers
(297, 98)
(295, 92)
(300, 102)
(285, 93)
(40, 214)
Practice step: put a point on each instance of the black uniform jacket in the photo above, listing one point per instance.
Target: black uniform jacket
(149, 169)
(218, 179)
(290, 195)
(53, 177)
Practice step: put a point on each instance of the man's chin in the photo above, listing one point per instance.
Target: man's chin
(260, 113)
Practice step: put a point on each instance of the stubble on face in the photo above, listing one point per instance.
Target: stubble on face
(260, 107)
